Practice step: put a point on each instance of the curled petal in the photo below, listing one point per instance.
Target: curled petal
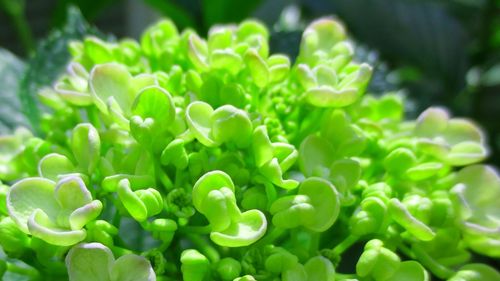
(83, 215)
(40, 225)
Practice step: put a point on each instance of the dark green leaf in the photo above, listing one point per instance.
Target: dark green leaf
(11, 71)
(48, 62)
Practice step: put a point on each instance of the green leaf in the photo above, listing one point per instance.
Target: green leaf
(226, 11)
(11, 72)
(182, 17)
(48, 62)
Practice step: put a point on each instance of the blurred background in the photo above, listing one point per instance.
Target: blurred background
(439, 52)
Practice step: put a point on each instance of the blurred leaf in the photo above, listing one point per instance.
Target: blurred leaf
(203, 14)
(181, 16)
(492, 76)
(417, 32)
(227, 11)
(89, 9)
(11, 71)
(14, 276)
(49, 61)
(15, 10)
(286, 42)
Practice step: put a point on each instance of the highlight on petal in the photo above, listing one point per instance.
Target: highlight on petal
(248, 229)
(85, 214)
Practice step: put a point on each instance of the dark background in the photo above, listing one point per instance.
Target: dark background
(439, 52)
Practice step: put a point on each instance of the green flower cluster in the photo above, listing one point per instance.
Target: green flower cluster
(231, 163)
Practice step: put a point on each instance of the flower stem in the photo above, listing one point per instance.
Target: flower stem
(196, 229)
(345, 244)
(435, 267)
(21, 270)
(205, 248)
(273, 235)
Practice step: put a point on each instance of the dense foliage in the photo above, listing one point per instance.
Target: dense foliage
(178, 157)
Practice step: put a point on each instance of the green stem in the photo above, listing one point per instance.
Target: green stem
(315, 241)
(164, 245)
(406, 251)
(205, 248)
(160, 175)
(272, 236)
(271, 193)
(116, 218)
(21, 270)
(196, 229)
(342, 276)
(311, 124)
(435, 267)
(119, 251)
(179, 175)
(344, 245)
(93, 116)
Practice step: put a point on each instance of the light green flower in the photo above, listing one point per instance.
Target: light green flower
(54, 212)
(94, 261)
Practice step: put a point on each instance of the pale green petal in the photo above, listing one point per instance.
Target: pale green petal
(250, 228)
(54, 165)
(87, 262)
(132, 268)
(30, 194)
(41, 226)
(71, 193)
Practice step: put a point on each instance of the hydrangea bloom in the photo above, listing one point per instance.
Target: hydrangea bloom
(178, 157)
